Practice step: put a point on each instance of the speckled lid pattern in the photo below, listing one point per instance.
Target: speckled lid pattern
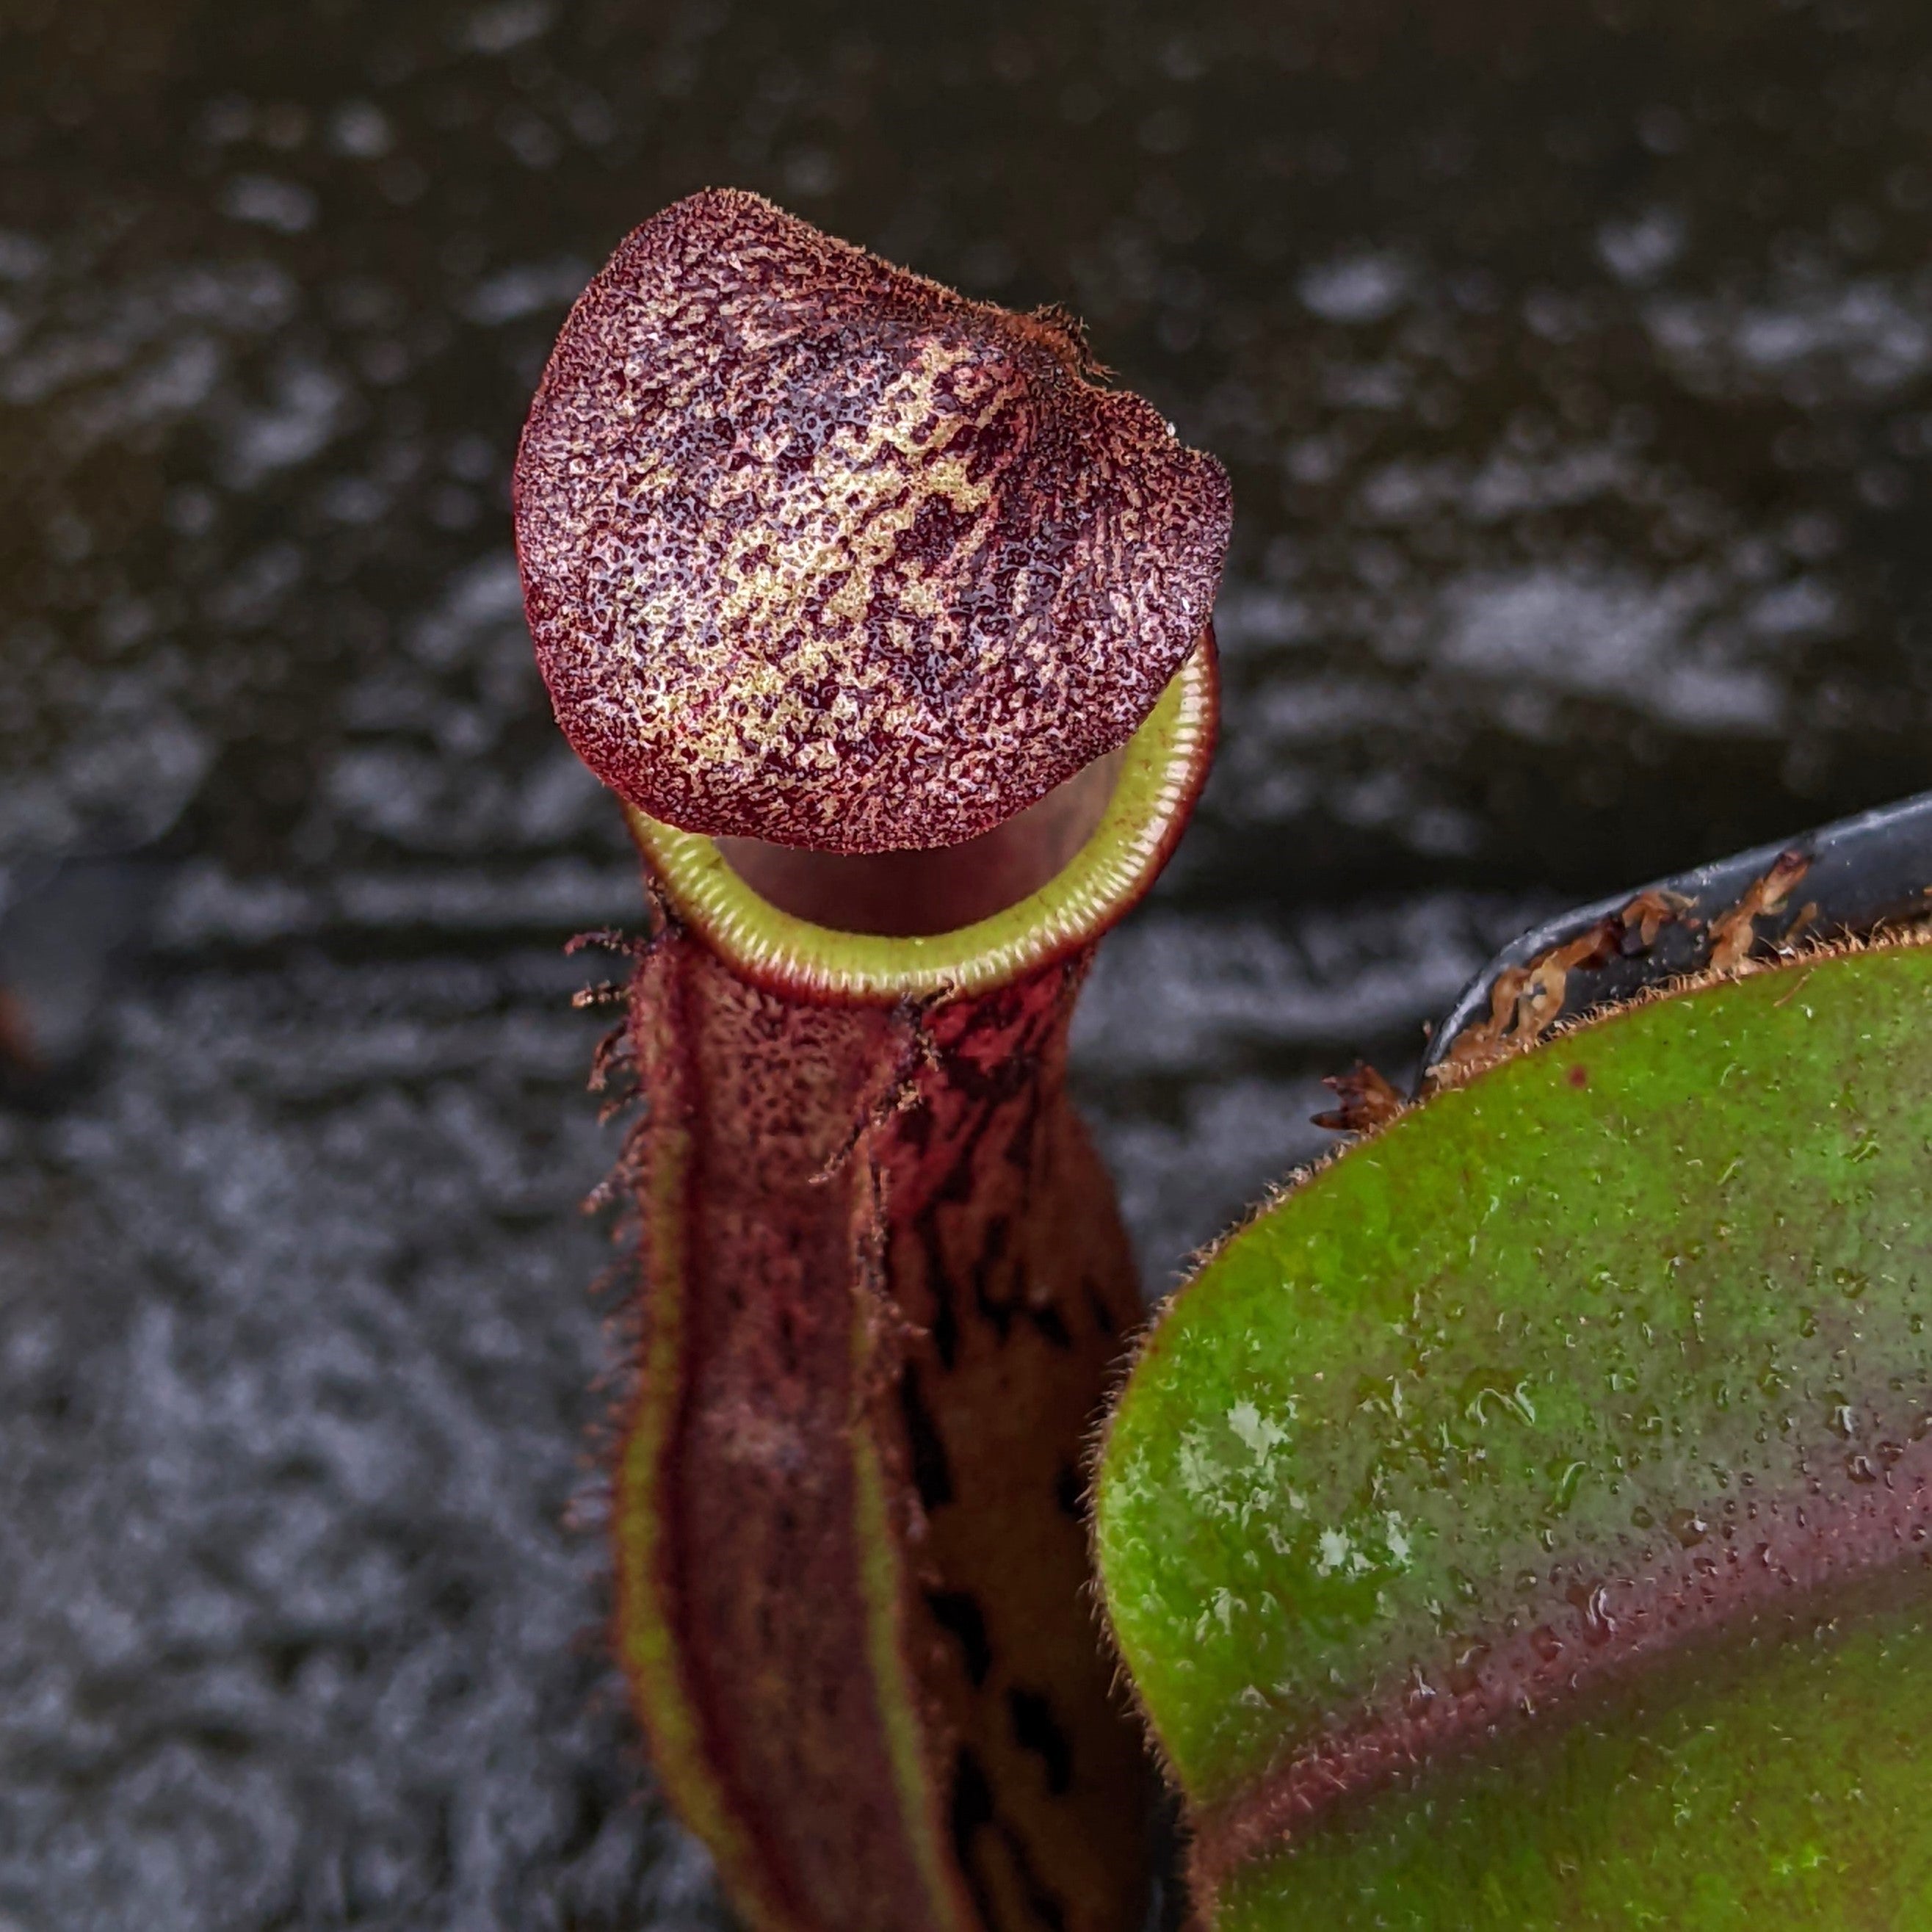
(816, 550)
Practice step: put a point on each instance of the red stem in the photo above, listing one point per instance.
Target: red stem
(887, 1283)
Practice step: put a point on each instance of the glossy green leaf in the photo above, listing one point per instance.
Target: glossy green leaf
(1771, 1778)
(1612, 1359)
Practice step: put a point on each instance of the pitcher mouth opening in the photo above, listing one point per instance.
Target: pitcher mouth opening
(1025, 894)
(919, 892)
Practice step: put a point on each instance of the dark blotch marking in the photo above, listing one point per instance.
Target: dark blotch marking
(1069, 1493)
(973, 1813)
(1047, 1319)
(957, 1613)
(932, 1475)
(915, 1127)
(986, 1267)
(1103, 1319)
(1035, 1729)
(1579, 1076)
(944, 1326)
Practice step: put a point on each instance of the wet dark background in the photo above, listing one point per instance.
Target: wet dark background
(1574, 366)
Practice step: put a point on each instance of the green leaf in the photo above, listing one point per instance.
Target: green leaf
(1496, 1483)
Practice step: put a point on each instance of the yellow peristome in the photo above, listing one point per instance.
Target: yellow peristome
(1161, 774)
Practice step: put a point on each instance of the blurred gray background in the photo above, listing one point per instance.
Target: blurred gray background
(1574, 366)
